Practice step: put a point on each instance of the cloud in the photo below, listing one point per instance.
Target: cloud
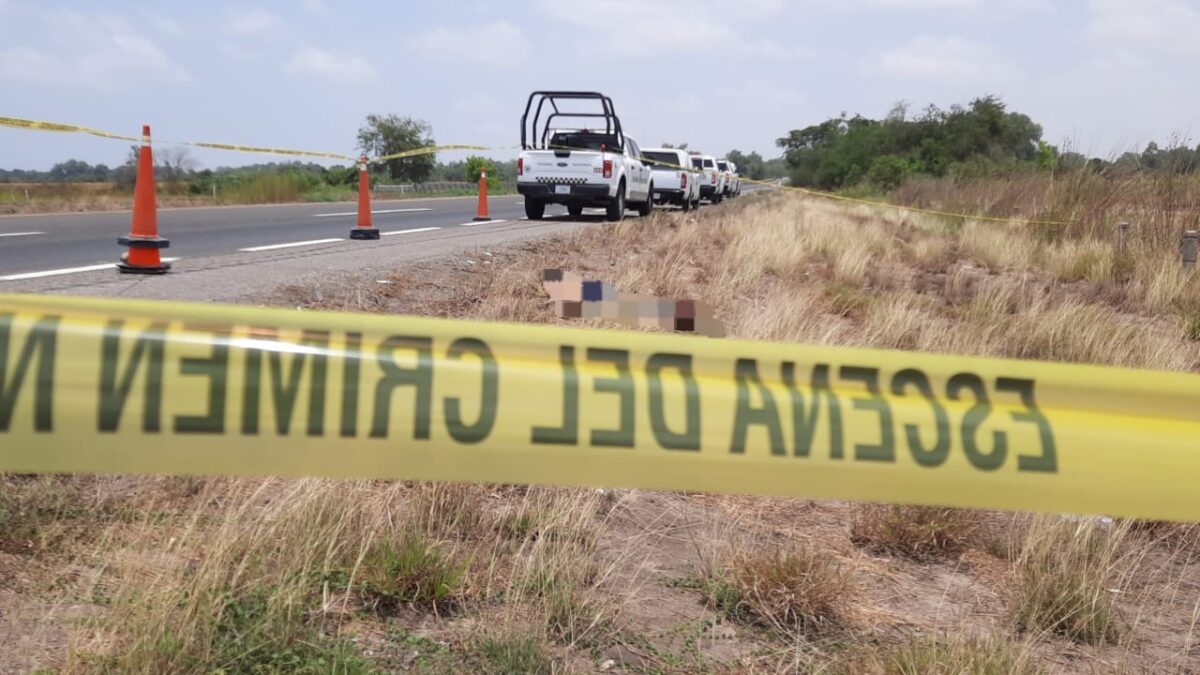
(945, 60)
(1160, 26)
(89, 50)
(769, 49)
(252, 21)
(499, 43)
(336, 67)
(649, 27)
(313, 6)
(646, 27)
(166, 24)
(990, 6)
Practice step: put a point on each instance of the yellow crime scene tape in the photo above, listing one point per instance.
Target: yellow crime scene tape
(121, 386)
(266, 151)
(35, 125)
(430, 150)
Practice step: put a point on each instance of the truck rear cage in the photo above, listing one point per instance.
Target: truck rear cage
(535, 131)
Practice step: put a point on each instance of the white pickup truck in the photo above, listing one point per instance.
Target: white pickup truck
(588, 167)
(675, 181)
(712, 187)
(733, 183)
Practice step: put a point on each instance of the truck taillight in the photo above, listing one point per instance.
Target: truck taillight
(608, 168)
(520, 166)
(683, 181)
(714, 178)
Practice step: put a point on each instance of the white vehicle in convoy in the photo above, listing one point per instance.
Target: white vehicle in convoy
(594, 166)
(733, 184)
(712, 185)
(675, 180)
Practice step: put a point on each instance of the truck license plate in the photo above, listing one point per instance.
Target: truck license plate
(562, 189)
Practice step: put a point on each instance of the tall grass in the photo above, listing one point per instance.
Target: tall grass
(1072, 574)
(1160, 206)
(266, 188)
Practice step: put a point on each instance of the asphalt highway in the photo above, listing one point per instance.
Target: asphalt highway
(51, 245)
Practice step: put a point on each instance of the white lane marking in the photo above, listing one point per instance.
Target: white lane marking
(419, 229)
(19, 234)
(482, 222)
(67, 270)
(290, 244)
(355, 213)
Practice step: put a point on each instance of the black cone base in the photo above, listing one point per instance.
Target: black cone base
(364, 233)
(126, 268)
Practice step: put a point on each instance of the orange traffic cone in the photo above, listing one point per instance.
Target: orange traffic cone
(143, 240)
(364, 230)
(481, 213)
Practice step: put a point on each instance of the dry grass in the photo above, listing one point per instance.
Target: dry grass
(265, 576)
(1071, 574)
(798, 592)
(992, 655)
(919, 532)
(995, 247)
(1160, 206)
(244, 575)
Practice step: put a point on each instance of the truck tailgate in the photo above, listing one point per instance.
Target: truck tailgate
(666, 179)
(571, 166)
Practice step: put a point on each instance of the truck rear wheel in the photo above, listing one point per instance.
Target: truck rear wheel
(686, 204)
(534, 208)
(575, 210)
(616, 205)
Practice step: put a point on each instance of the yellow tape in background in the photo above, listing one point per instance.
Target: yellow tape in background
(430, 150)
(18, 123)
(267, 151)
(119, 386)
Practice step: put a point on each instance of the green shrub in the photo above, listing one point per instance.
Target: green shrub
(254, 637)
(413, 570)
(330, 193)
(258, 632)
(889, 171)
(514, 654)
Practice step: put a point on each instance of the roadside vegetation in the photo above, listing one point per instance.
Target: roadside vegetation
(75, 185)
(114, 574)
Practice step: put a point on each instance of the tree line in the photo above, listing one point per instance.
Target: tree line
(982, 138)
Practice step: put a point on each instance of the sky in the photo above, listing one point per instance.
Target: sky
(1101, 76)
